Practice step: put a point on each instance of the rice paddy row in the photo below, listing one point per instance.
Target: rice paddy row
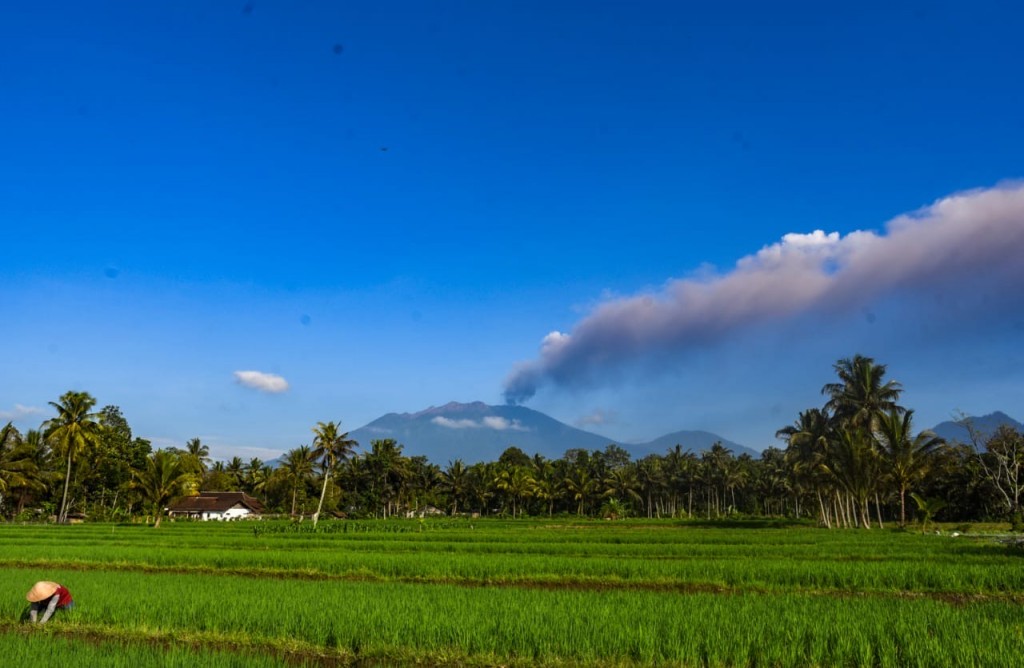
(654, 594)
(804, 560)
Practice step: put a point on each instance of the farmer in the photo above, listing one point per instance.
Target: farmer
(45, 597)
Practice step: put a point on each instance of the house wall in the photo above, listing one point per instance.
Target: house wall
(229, 514)
(236, 513)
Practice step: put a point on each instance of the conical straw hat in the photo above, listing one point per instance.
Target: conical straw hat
(41, 591)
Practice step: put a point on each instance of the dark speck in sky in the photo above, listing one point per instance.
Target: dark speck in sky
(111, 272)
(337, 49)
(305, 320)
(384, 149)
(247, 8)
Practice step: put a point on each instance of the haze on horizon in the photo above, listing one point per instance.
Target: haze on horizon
(235, 224)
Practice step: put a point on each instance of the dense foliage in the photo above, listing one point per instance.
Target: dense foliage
(855, 461)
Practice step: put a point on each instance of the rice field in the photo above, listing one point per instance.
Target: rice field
(513, 593)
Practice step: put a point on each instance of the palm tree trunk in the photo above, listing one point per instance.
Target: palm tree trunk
(323, 492)
(878, 512)
(63, 516)
(903, 506)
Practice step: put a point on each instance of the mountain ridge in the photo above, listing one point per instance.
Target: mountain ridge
(984, 425)
(477, 431)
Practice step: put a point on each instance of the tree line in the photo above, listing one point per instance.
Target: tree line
(856, 461)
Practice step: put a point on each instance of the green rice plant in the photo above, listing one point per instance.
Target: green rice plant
(19, 648)
(559, 625)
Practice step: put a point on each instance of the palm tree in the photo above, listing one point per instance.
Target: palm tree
(161, 480)
(928, 508)
(854, 463)
(908, 457)
(516, 482)
(388, 468)
(861, 396)
(236, 470)
(455, 481)
(329, 448)
(257, 477)
(715, 463)
(36, 474)
(16, 467)
(297, 469)
(622, 484)
(807, 442)
(581, 486)
(201, 453)
(548, 486)
(73, 431)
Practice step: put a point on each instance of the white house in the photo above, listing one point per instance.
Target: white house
(216, 506)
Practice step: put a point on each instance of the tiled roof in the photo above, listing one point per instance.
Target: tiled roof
(216, 502)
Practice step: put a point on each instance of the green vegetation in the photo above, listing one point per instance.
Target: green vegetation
(851, 463)
(711, 560)
(494, 592)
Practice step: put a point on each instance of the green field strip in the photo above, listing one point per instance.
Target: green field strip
(542, 626)
(591, 584)
(105, 647)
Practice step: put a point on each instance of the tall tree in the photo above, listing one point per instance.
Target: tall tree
(455, 481)
(581, 487)
(388, 470)
(297, 469)
(861, 395)
(907, 455)
(17, 470)
(236, 469)
(160, 481)
(621, 483)
(72, 431)
(854, 462)
(200, 451)
(39, 474)
(515, 481)
(330, 446)
(807, 442)
(1002, 462)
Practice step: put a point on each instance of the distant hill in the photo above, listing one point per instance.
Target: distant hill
(695, 441)
(477, 432)
(985, 425)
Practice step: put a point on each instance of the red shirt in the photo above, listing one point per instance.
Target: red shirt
(65, 596)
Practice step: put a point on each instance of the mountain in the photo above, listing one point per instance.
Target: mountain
(479, 432)
(985, 426)
(696, 441)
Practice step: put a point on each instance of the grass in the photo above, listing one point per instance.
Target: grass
(530, 592)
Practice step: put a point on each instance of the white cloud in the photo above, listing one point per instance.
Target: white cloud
(442, 421)
(495, 422)
(20, 412)
(957, 241)
(499, 423)
(264, 382)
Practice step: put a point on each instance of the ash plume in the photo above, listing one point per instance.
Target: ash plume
(960, 239)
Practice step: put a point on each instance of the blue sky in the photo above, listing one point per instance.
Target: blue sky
(391, 205)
